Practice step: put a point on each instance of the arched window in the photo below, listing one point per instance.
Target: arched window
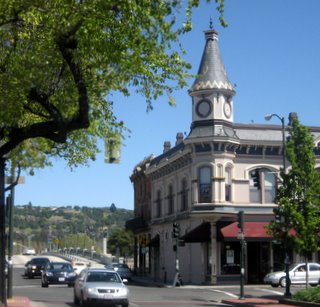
(205, 184)
(262, 185)
(158, 204)
(228, 184)
(184, 195)
(170, 199)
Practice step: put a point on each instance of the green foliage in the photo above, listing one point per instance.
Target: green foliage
(61, 61)
(113, 208)
(121, 241)
(73, 227)
(298, 198)
(311, 295)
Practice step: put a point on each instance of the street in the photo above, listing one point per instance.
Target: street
(140, 296)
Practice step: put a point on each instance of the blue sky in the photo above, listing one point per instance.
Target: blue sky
(271, 51)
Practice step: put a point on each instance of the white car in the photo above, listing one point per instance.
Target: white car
(29, 251)
(297, 275)
(98, 285)
(78, 266)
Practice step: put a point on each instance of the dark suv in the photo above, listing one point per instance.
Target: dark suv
(35, 266)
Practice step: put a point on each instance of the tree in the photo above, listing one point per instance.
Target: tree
(121, 240)
(60, 62)
(113, 208)
(297, 223)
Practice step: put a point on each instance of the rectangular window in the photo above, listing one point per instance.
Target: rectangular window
(158, 204)
(184, 196)
(205, 185)
(170, 200)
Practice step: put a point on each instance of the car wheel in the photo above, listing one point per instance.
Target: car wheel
(274, 285)
(282, 282)
(125, 305)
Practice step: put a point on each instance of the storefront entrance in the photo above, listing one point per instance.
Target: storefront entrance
(257, 251)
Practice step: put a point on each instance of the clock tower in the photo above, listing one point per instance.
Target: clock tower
(212, 92)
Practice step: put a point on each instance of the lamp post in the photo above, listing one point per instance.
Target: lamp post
(287, 259)
(281, 118)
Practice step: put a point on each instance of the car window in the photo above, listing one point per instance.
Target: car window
(301, 268)
(314, 267)
(102, 277)
(60, 266)
(39, 261)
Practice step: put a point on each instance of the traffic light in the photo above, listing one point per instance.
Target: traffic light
(241, 220)
(255, 175)
(176, 230)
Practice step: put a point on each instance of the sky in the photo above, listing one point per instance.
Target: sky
(271, 51)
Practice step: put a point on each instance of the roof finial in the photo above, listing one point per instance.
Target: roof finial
(211, 24)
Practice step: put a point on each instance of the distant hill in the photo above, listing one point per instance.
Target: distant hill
(37, 224)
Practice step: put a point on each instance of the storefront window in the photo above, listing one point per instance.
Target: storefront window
(230, 258)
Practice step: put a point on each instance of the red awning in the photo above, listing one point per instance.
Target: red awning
(252, 231)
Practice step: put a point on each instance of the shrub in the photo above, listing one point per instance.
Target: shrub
(308, 295)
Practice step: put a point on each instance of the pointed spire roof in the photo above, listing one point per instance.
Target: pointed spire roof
(211, 73)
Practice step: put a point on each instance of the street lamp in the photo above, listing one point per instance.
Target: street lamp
(287, 260)
(268, 117)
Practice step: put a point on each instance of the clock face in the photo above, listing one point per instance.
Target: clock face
(227, 109)
(203, 108)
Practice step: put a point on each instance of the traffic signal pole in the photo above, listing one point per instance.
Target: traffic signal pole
(242, 252)
(176, 235)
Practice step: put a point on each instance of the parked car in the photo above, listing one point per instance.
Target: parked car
(58, 273)
(99, 285)
(78, 266)
(34, 266)
(29, 251)
(121, 268)
(297, 275)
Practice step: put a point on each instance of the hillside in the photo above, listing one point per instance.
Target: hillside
(37, 226)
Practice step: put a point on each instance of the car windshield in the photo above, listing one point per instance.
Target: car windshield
(36, 261)
(122, 266)
(102, 277)
(59, 266)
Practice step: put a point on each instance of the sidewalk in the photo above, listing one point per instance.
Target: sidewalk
(246, 302)
(23, 301)
(264, 302)
(19, 301)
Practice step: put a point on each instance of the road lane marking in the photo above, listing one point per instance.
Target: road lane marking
(225, 292)
(24, 286)
(269, 291)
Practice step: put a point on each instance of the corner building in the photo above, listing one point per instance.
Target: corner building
(202, 182)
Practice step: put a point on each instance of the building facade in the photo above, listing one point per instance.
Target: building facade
(202, 182)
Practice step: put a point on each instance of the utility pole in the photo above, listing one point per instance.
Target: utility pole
(12, 181)
(3, 298)
(10, 201)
